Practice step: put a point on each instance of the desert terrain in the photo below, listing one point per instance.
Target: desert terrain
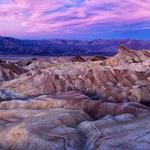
(76, 103)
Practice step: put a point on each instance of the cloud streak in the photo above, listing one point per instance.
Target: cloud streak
(73, 16)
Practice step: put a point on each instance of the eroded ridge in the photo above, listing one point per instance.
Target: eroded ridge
(76, 103)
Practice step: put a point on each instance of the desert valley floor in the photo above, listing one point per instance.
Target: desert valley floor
(76, 103)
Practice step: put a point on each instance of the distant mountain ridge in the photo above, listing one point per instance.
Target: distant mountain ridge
(12, 46)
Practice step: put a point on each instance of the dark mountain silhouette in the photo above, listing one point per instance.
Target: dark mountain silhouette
(12, 46)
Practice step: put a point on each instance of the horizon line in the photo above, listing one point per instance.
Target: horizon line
(66, 39)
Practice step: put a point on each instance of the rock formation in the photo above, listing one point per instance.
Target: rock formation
(66, 103)
(77, 101)
(114, 79)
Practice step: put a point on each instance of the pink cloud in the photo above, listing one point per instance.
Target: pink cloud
(56, 16)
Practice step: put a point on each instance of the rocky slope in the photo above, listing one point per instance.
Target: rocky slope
(53, 129)
(119, 78)
(77, 103)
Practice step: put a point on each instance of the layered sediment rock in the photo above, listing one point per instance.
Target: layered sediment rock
(41, 129)
(66, 122)
(107, 80)
(61, 104)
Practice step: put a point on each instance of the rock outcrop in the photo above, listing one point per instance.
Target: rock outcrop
(53, 129)
(9, 71)
(66, 122)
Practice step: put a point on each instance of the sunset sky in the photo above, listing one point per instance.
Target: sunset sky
(75, 19)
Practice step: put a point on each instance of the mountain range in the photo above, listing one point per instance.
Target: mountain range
(55, 47)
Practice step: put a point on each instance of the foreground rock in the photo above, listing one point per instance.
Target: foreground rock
(41, 129)
(117, 133)
(65, 129)
(65, 122)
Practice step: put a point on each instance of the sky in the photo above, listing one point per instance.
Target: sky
(75, 19)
